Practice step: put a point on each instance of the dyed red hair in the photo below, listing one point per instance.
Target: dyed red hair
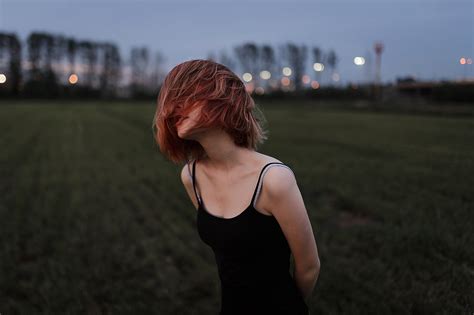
(224, 103)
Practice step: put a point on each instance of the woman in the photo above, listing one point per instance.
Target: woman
(205, 117)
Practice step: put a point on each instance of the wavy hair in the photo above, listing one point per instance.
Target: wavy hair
(224, 103)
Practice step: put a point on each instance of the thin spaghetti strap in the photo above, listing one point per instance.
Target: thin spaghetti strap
(259, 187)
(258, 181)
(194, 185)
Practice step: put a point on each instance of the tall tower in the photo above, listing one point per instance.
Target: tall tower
(378, 47)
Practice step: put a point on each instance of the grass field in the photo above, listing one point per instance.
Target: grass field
(94, 220)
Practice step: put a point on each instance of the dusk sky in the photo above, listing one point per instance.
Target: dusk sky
(424, 38)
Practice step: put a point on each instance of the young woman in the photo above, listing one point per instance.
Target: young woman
(249, 208)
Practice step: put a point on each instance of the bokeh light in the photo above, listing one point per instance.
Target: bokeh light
(317, 66)
(247, 77)
(315, 84)
(359, 61)
(286, 71)
(265, 75)
(285, 81)
(260, 90)
(73, 78)
(306, 79)
(249, 87)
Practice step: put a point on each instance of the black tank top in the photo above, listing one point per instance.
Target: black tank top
(253, 259)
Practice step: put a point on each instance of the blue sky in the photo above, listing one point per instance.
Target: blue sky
(424, 38)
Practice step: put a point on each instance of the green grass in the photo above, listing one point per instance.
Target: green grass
(95, 220)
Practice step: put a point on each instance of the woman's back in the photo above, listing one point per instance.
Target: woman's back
(252, 256)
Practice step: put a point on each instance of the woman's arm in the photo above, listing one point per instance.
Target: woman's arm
(286, 204)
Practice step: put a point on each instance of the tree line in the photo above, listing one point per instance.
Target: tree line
(253, 58)
(55, 66)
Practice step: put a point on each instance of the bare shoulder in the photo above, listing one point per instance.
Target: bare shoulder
(280, 191)
(278, 179)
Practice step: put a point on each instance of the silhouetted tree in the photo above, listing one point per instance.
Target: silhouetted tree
(42, 80)
(88, 52)
(158, 74)
(111, 70)
(332, 62)
(10, 45)
(317, 58)
(48, 48)
(71, 53)
(296, 56)
(247, 54)
(139, 64)
(59, 54)
(268, 60)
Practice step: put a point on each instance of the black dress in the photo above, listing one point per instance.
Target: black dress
(253, 259)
